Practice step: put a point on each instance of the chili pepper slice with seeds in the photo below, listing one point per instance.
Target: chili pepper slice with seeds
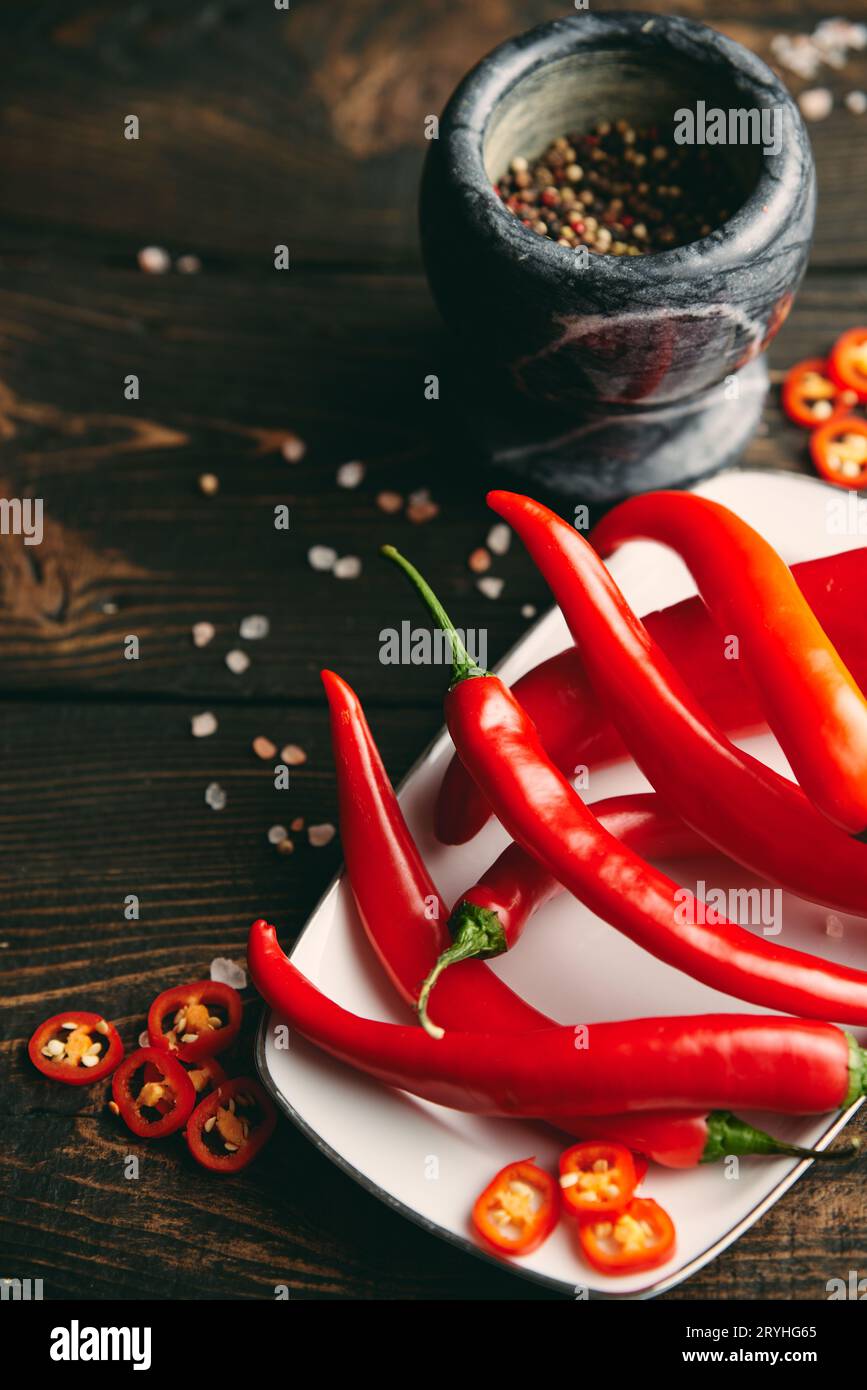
(538, 807)
(518, 1209)
(810, 698)
(403, 916)
(597, 1179)
(839, 452)
(154, 1107)
(761, 1062)
(810, 397)
(76, 1048)
(574, 725)
(754, 815)
(640, 1237)
(231, 1126)
(196, 1030)
(848, 362)
(490, 917)
(206, 1075)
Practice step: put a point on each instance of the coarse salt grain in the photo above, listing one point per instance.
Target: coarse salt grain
(320, 835)
(203, 633)
(347, 567)
(215, 797)
(293, 448)
(321, 557)
(499, 538)
(264, 748)
(292, 755)
(229, 972)
(276, 834)
(203, 725)
(350, 474)
(237, 661)
(856, 102)
(389, 502)
(490, 586)
(816, 103)
(254, 627)
(154, 260)
(528, 610)
(833, 926)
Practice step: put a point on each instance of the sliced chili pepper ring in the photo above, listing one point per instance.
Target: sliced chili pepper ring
(137, 1097)
(810, 397)
(195, 1030)
(230, 1126)
(848, 362)
(597, 1179)
(518, 1209)
(205, 1075)
(639, 1237)
(76, 1048)
(839, 451)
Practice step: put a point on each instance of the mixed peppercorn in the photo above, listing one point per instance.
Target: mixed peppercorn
(620, 191)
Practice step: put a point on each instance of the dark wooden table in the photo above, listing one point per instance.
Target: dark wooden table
(257, 128)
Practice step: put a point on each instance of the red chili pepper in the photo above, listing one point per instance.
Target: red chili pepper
(197, 1030)
(839, 451)
(518, 1209)
(810, 698)
(489, 918)
(231, 1126)
(76, 1048)
(762, 1062)
(499, 745)
(755, 816)
(574, 727)
(641, 1237)
(403, 916)
(137, 1101)
(810, 396)
(848, 362)
(597, 1179)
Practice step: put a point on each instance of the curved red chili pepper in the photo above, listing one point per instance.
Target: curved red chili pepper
(753, 815)
(404, 918)
(538, 807)
(575, 729)
(810, 699)
(489, 918)
(787, 1065)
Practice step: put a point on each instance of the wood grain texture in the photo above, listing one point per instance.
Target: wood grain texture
(257, 128)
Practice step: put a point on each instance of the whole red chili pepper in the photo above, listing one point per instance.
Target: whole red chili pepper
(574, 726)
(404, 918)
(751, 813)
(489, 918)
(540, 810)
(788, 1065)
(809, 697)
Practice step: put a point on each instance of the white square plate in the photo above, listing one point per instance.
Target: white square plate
(429, 1162)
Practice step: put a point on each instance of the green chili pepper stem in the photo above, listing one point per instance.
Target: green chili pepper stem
(477, 933)
(728, 1136)
(857, 1072)
(462, 663)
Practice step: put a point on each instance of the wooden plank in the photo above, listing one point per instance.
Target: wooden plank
(304, 128)
(130, 781)
(226, 368)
